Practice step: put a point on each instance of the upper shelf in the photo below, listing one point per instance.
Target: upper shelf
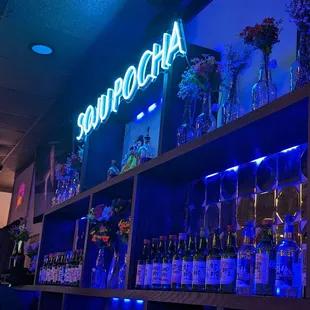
(276, 126)
(191, 298)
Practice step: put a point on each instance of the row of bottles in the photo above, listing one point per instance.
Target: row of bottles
(261, 270)
(62, 268)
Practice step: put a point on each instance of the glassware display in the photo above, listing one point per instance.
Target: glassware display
(146, 152)
(141, 264)
(177, 262)
(213, 264)
(149, 265)
(205, 121)
(288, 263)
(187, 264)
(265, 261)
(264, 91)
(295, 72)
(166, 273)
(123, 266)
(246, 262)
(186, 131)
(113, 171)
(157, 262)
(99, 273)
(229, 264)
(199, 262)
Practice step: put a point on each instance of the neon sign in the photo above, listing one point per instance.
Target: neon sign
(151, 63)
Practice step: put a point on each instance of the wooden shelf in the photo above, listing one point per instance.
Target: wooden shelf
(190, 298)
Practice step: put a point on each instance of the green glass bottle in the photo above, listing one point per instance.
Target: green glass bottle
(158, 261)
(213, 264)
(177, 262)
(149, 265)
(141, 264)
(265, 261)
(199, 262)
(166, 272)
(187, 265)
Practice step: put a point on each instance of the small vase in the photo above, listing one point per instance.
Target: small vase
(186, 131)
(302, 74)
(264, 91)
(122, 272)
(99, 273)
(230, 108)
(205, 122)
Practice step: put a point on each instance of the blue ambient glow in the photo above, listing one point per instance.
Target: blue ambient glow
(140, 115)
(41, 49)
(160, 58)
(139, 301)
(212, 175)
(290, 149)
(278, 291)
(152, 107)
(233, 168)
(115, 299)
(126, 300)
(258, 160)
(83, 218)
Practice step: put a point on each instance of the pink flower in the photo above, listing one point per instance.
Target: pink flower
(98, 211)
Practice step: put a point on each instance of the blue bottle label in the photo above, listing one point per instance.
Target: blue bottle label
(213, 271)
(244, 270)
(284, 271)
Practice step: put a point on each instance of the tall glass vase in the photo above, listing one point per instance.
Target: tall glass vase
(230, 108)
(264, 91)
(186, 131)
(302, 74)
(123, 261)
(205, 122)
(99, 273)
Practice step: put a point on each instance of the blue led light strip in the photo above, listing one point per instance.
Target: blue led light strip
(160, 59)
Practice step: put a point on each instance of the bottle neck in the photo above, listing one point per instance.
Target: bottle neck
(187, 115)
(203, 244)
(267, 234)
(264, 72)
(162, 247)
(215, 241)
(230, 240)
(171, 247)
(206, 103)
(182, 245)
(192, 245)
(145, 251)
(248, 240)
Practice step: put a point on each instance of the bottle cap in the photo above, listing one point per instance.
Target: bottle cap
(204, 232)
(182, 236)
(267, 221)
(146, 241)
(172, 237)
(289, 219)
(162, 238)
(230, 228)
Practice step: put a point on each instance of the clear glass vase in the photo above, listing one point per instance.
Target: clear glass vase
(300, 72)
(205, 122)
(99, 273)
(230, 108)
(264, 91)
(186, 131)
(122, 272)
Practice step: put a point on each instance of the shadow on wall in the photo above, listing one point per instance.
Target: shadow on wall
(220, 22)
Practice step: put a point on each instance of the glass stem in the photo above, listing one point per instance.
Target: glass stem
(266, 64)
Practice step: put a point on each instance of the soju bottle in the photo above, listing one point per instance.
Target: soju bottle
(288, 263)
(141, 264)
(177, 262)
(166, 272)
(79, 268)
(149, 264)
(187, 265)
(158, 261)
(246, 262)
(229, 264)
(199, 262)
(62, 268)
(50, 270)
(265, 261)
(304, 264)
(213, 264)
(54, 269)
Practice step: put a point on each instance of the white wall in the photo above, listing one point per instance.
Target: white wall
(220, 22)
(5, 202)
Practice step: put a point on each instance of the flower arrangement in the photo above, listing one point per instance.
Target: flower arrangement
(74, 161)
(106, 222)
(61, 172)
(20, 232)
(263, 36)
(124, 229)
(299, 12)
(207, 73)
(236, 61)
(189, 88)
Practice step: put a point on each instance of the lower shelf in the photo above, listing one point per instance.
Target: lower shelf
(189, 298)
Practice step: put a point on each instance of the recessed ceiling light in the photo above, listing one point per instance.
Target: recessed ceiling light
(41, 49)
